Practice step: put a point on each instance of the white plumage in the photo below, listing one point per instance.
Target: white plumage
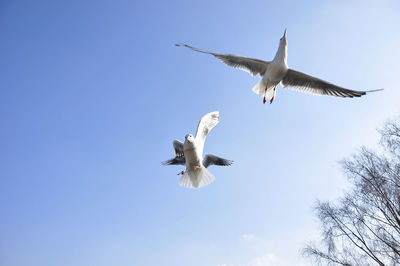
(190, 153)
(277, 72)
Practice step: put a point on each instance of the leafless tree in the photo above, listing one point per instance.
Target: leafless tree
(363, 227)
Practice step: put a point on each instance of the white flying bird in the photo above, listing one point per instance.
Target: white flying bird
(277, 71)
(190, 153)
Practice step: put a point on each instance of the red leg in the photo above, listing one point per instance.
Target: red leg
(182, 172)
(265, 98)
(273, 96)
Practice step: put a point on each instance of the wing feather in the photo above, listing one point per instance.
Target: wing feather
(305, 83)
(179, 156)
(178, 148)
(207, 122)
(210, 159)
(251, 65)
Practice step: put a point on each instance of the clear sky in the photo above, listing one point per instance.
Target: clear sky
(92, 94)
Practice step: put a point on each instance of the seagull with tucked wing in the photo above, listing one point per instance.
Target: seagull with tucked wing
(277, 71)
(190, 153)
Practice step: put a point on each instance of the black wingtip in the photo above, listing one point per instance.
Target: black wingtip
(228, 163)
(167, 162)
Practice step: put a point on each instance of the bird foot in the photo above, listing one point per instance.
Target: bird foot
(265, 100)
(182, 172)
(272, 99)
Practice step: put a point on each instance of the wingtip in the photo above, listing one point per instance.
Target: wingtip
(375, 90)
(228, 162)
(181, 45)
(213, 114)
(167, 162)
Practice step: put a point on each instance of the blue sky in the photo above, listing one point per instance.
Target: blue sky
(93, 93)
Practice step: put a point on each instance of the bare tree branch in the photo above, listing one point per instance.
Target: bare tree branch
(364, 227)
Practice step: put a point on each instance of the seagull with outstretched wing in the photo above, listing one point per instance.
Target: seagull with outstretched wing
(277, 72)
(190, 153)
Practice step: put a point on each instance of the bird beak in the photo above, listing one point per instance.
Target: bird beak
(284, 34)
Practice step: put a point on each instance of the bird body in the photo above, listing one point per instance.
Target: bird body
(190, 153)
(192, 156)
(273, 76)
(277, 72)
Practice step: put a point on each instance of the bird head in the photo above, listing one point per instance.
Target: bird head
(189, 138)
(283, 40)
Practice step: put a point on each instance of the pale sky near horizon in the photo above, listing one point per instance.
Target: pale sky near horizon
(92, 94)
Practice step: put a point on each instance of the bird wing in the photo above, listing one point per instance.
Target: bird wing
(305, 83)
(210, 159)
(179, 156)
(252, 65)
(178, 148)
(175, 161)
(207, 122)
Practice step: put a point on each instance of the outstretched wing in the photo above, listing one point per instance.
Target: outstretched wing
(175, 161)
(305, 83)
(210, 159)
(178, 148)
(207, 122)
(252, 65)
(179, 156)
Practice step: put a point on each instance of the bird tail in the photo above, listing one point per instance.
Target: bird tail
(259, 89)
(196, 178)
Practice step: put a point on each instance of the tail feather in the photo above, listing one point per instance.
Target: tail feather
(196, 178)
(259, 89)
